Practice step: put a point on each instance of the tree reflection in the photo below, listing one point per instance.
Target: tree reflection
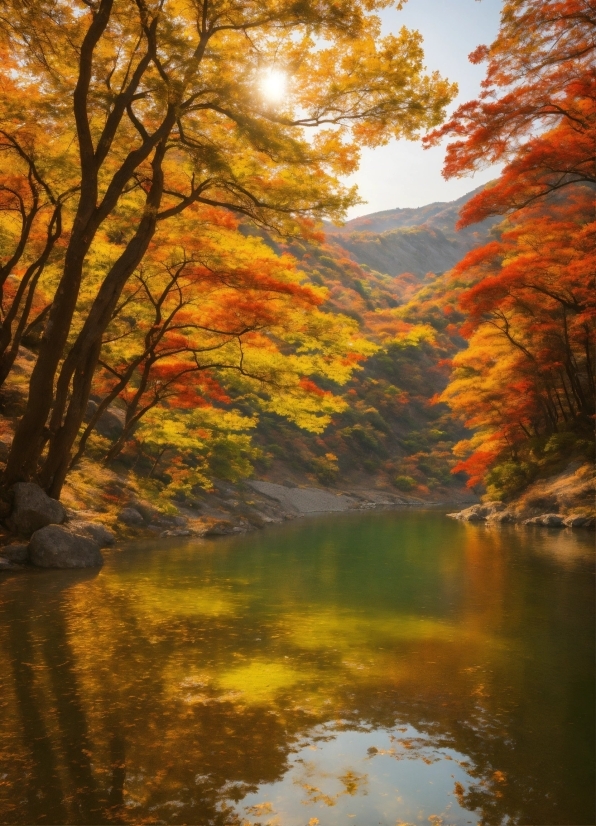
(168, 689)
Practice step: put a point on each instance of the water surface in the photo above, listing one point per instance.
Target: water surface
(388, 668)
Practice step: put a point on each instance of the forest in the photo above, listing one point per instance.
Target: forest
(198, 341)
(180, 303)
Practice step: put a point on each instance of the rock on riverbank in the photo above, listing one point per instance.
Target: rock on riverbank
(56, 547)
(496, 512)
(562, 501)
(55, 541)
(228, 509)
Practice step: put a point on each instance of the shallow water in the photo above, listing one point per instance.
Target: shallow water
(388, 668)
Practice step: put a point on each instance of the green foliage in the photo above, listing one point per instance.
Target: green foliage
(404, 483)
(509, 478)
(560, 443)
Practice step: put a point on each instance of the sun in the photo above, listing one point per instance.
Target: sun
(273, 85)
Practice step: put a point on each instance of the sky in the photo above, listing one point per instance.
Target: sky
(403, 174)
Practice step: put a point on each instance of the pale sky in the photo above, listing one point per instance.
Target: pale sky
(402, 174)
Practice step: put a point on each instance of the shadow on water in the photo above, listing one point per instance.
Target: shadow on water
(39, 643)
(45, 800)
(307, 672)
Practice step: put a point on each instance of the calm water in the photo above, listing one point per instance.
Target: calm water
(393, 668)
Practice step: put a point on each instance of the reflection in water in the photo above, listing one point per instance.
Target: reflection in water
(388, 668)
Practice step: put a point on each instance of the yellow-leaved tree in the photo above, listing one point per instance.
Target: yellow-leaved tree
(126, 114)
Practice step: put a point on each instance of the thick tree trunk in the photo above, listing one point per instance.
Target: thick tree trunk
(81, 362)
(58, 460)
(29, 437)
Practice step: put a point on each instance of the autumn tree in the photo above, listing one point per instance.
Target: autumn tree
(158, 105)
(528, 373)
(187, 319)
(537, 109)
(527, 377)
(30, 226)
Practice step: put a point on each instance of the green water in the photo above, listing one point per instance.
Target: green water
(389, 668)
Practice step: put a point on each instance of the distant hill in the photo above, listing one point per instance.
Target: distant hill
(387, 270)
(418, 240)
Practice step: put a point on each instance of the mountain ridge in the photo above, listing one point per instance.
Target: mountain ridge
(415, 240)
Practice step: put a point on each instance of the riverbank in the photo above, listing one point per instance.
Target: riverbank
(563, 500)
(100, 508)
(104, 508)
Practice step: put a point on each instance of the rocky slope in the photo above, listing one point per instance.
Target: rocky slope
(564, 500)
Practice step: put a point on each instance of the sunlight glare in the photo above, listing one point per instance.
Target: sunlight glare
(274, 85)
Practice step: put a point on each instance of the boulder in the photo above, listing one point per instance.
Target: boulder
(549, 520)
(131, 517)
(149, 513)
(34, 509)
(154, 517)
(179, 532)
(578, 521)
(111, 422)
(480, 513)
(220, 528)
(17, 552)
(56, 547)
(94, 531)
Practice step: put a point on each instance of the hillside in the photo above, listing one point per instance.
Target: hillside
(411, 240)
(391, 435)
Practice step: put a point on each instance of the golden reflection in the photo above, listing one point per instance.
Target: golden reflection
(172, 690)
(261, 680)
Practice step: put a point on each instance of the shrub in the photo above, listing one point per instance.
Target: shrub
(404, 483)
(509, 478)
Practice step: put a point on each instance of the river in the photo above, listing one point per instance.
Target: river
(385, 668)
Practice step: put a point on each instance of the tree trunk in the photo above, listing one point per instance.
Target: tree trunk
(29, 437)
(81, 362)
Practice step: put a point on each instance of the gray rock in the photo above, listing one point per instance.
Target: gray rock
(552, 520)
(131, 517)
(577, 521)
(480, 513)
(302, 500)
(18, 552)
(179, 532)
(56, 547)
(34, 509)
(221, 528)
(148, 513)
(111, 422)
(501, 517)
(549, 520)
(7, 565)
(94, 531)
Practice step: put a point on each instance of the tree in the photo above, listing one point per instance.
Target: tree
(528, 372)
(158, 108)
(540, 79)
(191, 316)
(530, 306)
